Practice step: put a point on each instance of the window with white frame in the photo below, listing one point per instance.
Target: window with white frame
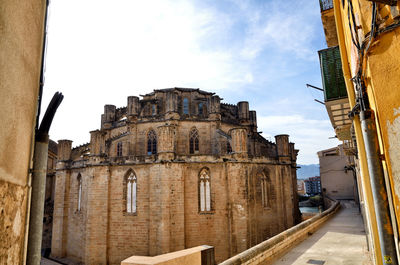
(131, 189)
(204, 191)
(265, 190)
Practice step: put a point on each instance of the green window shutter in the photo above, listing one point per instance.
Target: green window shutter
(332, 74)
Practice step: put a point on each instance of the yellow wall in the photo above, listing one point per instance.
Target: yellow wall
(21, 31)
(382, 78)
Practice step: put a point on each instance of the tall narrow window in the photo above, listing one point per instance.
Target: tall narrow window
(79, 178)
(119, 149)
(186, 106)
(151, 143)
(265, 190)
(153, 109)
(204, 191)
(131, 181)
(228, 147)
(194, 141)
(200, 108)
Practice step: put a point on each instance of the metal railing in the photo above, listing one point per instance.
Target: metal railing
(325, 4)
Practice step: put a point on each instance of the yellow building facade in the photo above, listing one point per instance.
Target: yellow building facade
(368, 36)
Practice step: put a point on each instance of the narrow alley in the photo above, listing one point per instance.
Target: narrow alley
(341, 240)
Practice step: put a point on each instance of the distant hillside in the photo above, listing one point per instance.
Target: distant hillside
(307, 171)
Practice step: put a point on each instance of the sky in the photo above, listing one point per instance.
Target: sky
(261, 51)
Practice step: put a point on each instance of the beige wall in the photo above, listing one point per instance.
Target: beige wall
(338, 182)
(21, 31)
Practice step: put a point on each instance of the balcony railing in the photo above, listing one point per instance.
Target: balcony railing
(325, 4)
(332, 74)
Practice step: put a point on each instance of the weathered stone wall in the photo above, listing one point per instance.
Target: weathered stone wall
(13, 199)
(77, 220)
(136, 143)
(21, 31)
(168, 216)
(251, 193)
(128, 231)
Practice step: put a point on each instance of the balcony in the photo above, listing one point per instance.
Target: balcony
(325, 4)
(328, 22)
(336, 101)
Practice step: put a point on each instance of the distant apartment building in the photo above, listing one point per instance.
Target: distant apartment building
(337, 178)
(313, 185)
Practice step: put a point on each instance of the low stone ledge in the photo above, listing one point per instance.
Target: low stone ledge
(201, 255)
(268, 251)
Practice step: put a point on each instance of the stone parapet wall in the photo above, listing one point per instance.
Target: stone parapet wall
(269, 250)
(201, 255)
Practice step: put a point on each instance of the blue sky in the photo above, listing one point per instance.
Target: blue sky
(99, 52)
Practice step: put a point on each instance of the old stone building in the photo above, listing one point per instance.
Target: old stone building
(49, 198)
(172, 170)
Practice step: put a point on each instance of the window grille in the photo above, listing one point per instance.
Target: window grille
(194, 141)
(151, 143)
(325, 4)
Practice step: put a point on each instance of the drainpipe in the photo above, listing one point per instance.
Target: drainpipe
(39, 182)
(378, 185)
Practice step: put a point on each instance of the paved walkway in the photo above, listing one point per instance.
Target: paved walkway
(340, 241)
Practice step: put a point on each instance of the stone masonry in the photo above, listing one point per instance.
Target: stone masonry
(202, 175)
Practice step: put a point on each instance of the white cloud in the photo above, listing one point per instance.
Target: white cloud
(309, 136)
(280, 26)
(101, 52)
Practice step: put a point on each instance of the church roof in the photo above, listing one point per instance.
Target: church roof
(181, 89)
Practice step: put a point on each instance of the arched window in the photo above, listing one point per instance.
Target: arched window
(265, 190)
(119, 149)
(200, 108)
(228, 147)
(204, 191)
(194, 141)
(79, 178)
(131, 189)
(186, 106)
(151, 143)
